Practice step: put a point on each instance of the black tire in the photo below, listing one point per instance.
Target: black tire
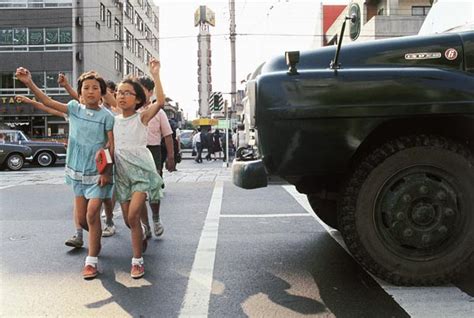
(406, 212)
(45, 158)
(325, 209)
(15, 162)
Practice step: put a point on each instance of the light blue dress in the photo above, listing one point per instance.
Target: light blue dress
(87, 134)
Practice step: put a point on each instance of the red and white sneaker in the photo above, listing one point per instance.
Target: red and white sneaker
(137, 271)
(89, 272)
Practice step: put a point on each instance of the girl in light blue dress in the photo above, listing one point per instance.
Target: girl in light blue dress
(135, 169)
(90, 128)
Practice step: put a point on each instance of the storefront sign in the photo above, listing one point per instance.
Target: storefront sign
(10, 100)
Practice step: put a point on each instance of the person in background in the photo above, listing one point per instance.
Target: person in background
(158, 127)
(197, 145)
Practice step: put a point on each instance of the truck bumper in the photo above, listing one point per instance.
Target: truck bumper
(249, 174)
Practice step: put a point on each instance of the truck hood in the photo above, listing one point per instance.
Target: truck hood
(410, 51)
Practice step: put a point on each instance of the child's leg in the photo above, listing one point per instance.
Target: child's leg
(134, 211)
(95, 229)
(80, 212)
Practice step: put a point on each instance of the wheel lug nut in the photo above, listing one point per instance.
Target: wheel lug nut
(407, 198)
(449, 212)
(408, 232)
(443, 229)
(426, 238)
(400, 216)
(441, 195)
(423, 189)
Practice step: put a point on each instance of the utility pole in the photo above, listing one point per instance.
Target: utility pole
(233, 89)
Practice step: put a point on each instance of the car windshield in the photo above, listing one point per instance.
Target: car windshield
(461, 28)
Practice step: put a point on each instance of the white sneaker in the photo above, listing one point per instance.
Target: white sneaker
(109, 230)
(158, 228)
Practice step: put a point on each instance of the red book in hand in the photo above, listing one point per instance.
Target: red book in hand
(103, 159)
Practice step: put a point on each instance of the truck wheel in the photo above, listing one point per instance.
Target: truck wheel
(45, 159)
(406, 212)
(325, 209)
(15, 162)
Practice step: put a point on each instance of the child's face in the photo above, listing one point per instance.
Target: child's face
(126, 97)
(90, 92)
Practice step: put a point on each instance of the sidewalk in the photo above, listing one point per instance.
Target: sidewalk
(191, 171)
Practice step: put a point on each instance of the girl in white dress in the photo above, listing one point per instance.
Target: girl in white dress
(135, 169)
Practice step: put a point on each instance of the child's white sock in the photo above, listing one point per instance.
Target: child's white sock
(92, 260)
(137, 261)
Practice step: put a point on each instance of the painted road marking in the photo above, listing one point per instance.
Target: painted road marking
(264, 215)
(198, 292)
(444, 301)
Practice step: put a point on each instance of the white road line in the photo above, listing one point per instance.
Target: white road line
(433, 302)
(198, 292)
(263, 215)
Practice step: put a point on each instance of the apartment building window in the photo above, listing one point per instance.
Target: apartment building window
(118, 62)
(138, 72)
(109, 19)
(155, 43)
(147, 56)
(420, 10)
(102, 12)
(117, 29)
(148, 10)
(129, 67)
(156, 22)
(129, 10)
(139, 23)
(139, 50)
(129, 41)
(148, 34)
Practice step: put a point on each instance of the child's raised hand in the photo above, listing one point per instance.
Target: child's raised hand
(23, 75)
(154, 66)
(23, 99)
(62, 79)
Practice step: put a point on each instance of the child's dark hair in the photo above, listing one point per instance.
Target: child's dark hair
(91, 75)
(147, 82)
(137, 87)
(110, 84)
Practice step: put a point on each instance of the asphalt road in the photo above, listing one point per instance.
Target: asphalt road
(226, 252)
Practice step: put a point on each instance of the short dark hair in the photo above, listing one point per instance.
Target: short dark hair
(91, 75)
(137, 87)
(110, 84)
(147, 82)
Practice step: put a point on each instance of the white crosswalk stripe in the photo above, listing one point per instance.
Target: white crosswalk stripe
(433, 302)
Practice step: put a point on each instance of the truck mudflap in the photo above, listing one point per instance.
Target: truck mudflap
(249, 174)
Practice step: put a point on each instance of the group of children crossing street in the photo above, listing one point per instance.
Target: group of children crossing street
(121, 121)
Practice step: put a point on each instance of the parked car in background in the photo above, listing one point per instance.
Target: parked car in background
(44, 153)
(186, 139)
(13, 156)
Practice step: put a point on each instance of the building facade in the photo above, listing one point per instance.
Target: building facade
(113, 37)
(382, 19)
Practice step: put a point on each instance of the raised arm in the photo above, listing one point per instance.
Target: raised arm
(62, 80)
(40, 106)
(24, 76)
(148, 114)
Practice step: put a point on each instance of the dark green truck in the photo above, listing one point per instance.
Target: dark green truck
(381, 141)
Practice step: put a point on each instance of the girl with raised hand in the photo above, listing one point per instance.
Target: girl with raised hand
(136, 173)
(90, 129)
